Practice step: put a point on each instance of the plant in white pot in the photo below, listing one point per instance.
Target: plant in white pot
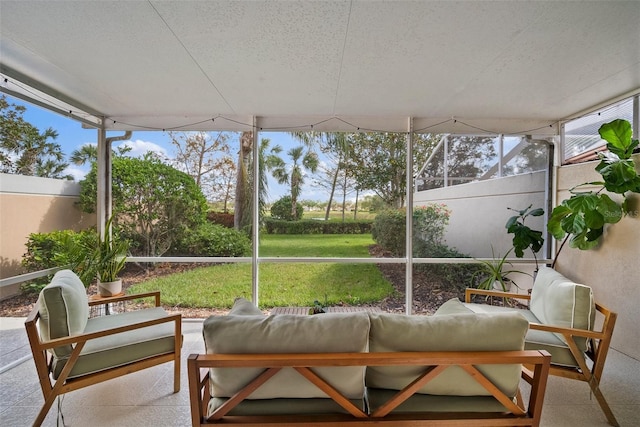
(493, 273)
(108, 259)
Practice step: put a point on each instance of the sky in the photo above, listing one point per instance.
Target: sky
(72, 136)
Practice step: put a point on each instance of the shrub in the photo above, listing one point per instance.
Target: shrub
(388, 230)
(429, 222)
(455, 276)
(311, 226)
(55, 249)
(281, 209)
(214, 240)
(224, 219)
(154, 204)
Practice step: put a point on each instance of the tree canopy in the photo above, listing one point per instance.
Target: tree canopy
(24, 149)
(154, 204)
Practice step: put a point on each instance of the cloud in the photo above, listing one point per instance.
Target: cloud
(139, 148)
(76, 172)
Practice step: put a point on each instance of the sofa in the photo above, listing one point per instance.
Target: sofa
(356, 368)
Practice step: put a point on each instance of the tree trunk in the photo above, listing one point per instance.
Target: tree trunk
(333, 189)
(242, 178)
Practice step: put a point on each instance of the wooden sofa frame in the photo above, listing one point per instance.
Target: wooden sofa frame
(43, 359)
(435, 362)
(597, 353)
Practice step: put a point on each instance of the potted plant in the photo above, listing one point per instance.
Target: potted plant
(100, 258)
(108, 260)
(581, 218)
(492, 274)
(523, 236)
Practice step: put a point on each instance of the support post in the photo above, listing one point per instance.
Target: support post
(255, 211)
(409, 219)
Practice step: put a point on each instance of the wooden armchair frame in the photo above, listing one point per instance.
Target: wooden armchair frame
(517, 415)
(597, 352)
(43, 360)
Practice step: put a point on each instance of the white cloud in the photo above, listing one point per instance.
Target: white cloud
(139, 148)
(77, 173)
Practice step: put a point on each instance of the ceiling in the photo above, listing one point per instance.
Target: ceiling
(452, 66)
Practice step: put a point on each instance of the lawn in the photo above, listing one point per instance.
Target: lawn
(281, 284)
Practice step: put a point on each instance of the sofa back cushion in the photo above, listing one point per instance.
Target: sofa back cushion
(323, 333)
(447, 332)
(557, 301)
(64, 309)
(244, 307)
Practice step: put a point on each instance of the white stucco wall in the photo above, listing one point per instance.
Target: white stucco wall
(479, 214)
(479, 211)
(613, 268)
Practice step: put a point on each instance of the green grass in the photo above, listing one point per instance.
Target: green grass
(315, 245)
(290, 284)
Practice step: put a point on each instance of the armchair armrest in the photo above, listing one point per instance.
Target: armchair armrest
(108, 300)
(83, 338)
(567, 332)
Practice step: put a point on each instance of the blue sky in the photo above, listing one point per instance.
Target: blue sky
(71, 136)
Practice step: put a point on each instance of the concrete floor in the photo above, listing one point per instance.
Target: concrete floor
(145, 398)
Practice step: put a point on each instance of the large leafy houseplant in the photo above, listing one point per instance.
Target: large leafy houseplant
(523, 236)
(581, 218)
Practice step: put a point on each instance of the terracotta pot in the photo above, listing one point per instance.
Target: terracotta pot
(109, 289)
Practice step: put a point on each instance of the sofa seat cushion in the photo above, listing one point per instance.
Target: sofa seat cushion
(244, 307)
(323, 333)
(63, 306)
(454, 332)
(284, 406)
(432, 403)
(119, 349)
(534, 340)
(558, 301)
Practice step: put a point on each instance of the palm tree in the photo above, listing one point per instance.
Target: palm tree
(294, 174)
(88, 153)
(268, 159)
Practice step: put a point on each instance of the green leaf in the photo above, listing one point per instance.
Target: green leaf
(609, 209)
(537, 212)
(618, 136)
(573, 224)
(554, 226)
(510, 222)
(593, 219)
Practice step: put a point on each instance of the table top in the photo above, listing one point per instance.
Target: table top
(302, 311)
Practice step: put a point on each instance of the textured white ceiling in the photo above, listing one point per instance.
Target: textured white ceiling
(501, 66)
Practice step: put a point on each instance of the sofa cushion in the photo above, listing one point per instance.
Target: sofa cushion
(243, 307)
(323, 333)
(430, 403)
(64, 309)
(557, 301)
(453, 332)
(284, 406)
(126, 347)
(453, 306)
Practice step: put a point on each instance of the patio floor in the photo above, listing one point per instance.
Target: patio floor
(145, 398)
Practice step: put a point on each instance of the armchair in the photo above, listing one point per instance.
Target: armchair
(561, 319)
(71, 351)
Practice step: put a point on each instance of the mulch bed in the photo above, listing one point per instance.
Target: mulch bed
(428, 292)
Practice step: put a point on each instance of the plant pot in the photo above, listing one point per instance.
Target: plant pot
(507, 285)
(109, 289)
